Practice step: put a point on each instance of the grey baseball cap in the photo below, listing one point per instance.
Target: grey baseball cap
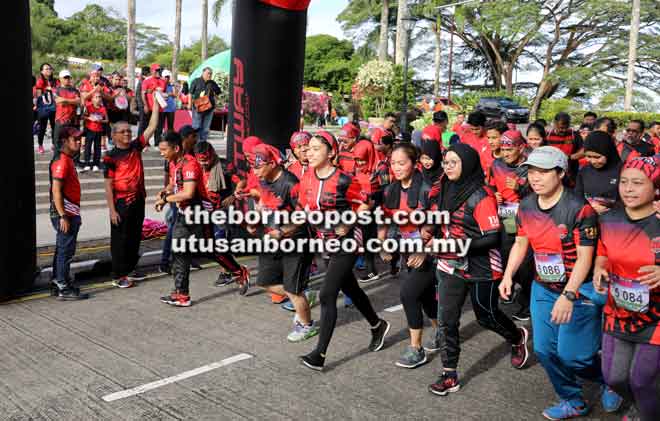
(547, 157)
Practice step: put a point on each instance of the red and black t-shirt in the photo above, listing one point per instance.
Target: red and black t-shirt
(126, 170)
(416, 196)
(187, 170)
(97, 114)
(599, 186)
(213, 199)
(569, 142)
(337, 192)
(346, 161)
(474, 219)
(297, 169)
(555, 234)
(628, 245)
(628, 151)
(66, 113)
(280, 195)
(62, 168)
(44, 84)
(500, 171)
(382, 177)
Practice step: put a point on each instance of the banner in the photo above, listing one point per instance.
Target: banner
(267, 63)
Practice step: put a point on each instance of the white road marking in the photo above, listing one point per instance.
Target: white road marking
(394, 309)
(169, 380)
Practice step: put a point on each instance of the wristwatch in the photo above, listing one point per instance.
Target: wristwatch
(570, 295)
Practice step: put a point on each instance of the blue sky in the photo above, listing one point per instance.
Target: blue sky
(321, 16)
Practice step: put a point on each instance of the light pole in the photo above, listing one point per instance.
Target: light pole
(408, 25)
(632, 55)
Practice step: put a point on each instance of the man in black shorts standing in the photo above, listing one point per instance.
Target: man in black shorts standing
(283, 272)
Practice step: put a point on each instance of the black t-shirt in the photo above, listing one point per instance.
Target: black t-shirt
(209, 88)
(280, 195)
(599, 186)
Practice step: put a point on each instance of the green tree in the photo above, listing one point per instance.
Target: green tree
(331, 64)
(189, 56)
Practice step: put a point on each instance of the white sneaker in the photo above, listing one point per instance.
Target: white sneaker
(95, 169)
(301, 333)
(87, 168)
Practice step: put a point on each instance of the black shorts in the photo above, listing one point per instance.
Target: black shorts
(290, 270)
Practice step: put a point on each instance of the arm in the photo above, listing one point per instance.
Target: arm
(516, 257)
(110, 199)
(58, 200)
(563, 308)
(187, 193)
(143, 95)
(153, 123)
(600, 273)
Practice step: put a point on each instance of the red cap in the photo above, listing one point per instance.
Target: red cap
(379, 134)
(329, 139)
(299, 138)
(350, 131)
(649, 165)
(512, 139)
(155, 67)
(432, 133)
(251, 142)
(264, 154)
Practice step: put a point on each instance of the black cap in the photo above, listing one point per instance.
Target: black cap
(187, 130)
(440, 117)
(477, 119)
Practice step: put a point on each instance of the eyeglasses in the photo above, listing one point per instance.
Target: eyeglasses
(450, 164)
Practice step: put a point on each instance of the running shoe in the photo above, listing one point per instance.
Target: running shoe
(86, 168)
(378, 334)
(412, 358)
(632, 414)
(123, 282)
(224, 279)
(71, 294)
(313, 360)
(301, 332)
(447, 383)
(137, 276)
(369, 278)
(177, 299)
(165, 269)
(433, 344)
(244, 280)
(519, 352)
(359, 263)
(566, 409)
(394, 270)
(312, 298)
(348, 303)
(41, 150)
(277, 298)
(610, 400)
(522, 315)
(194, 265)
(95, 168)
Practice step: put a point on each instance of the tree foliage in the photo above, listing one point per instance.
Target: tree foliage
(189, 57)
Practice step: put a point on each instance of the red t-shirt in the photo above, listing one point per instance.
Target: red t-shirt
(628, 245)
(568, 143)
(126, 170)
(346, 161)
(44, 84)
(100, 113)
(297, 169)
(150, 85)
(86, 86)
(66, 113)
(185, 171)
(63, 169)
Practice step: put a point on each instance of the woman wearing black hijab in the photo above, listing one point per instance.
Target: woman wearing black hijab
(598, 181)
(473, 216)
(431, 160)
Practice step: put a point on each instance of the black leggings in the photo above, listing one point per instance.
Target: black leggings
(369, 232)
(43, 122)
(525, 274)
(418, 292)
(452, 292)
(339, 276)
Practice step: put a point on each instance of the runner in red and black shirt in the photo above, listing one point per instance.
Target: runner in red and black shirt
(348, 136)
(125, 194)
(299, 143)
(508, 178)
(65, 212)
(326, 188)
(473, 215)
(633, 146)
(566, 140)
(44, 89)
(67, 100)
(474, 135)
(562, 230)
(494, 131)
(279, 272)
(629, 260)
(379, 133)
(410, 192)
(598, 181)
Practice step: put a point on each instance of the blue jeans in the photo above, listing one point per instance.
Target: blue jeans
(567, 352)
(170, 217)
(65, 249)
(202, 123)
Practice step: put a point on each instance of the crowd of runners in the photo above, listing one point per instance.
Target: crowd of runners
(561, 221)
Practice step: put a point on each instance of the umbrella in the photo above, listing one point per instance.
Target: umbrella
(218, 63)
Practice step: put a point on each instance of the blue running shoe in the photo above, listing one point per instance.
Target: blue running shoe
(288, 306)
(610, 400)
(566, 409)
(347, 301)
(359, 263)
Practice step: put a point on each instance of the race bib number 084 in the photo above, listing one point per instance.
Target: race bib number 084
(629, 294)
(550, 267)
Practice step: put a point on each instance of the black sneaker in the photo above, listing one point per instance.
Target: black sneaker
(369, 278)
(136, 275)
(378, 335)
(71, 294)
(194, 265)
(445, 385)
(313, 360)
(224, 279)
(394, 270)
(165, 269)
(522, 315)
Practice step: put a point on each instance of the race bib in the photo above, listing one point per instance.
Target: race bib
(507, 210)
(629, 294)
(550, 267)
(412, 235)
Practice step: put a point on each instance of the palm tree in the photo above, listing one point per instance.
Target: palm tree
(217, 9)
(384, 20)
(130, 44)
(401, 35)
(177, 41)
(205, 31)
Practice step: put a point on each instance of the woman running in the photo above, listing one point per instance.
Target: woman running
(536, 135)
(299, 143)
(327, 189)
(431, 160)
(364, 155)
(598, 181)
(407, 193)
(629, 261)
(473, 215)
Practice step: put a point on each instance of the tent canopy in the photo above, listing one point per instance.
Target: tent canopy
(218, 63)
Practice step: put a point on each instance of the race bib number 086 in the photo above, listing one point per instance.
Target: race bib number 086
(550, 267)
(629, 294)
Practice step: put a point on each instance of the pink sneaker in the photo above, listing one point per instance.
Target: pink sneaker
(41, 149)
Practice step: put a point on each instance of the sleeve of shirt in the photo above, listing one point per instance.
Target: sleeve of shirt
(485, 213)
(602, 249)
(109, 167)
(294, 194)
(586, 222)
(579, 185)
(59, 169)
(519, 225)
(141, 142)
(191, 171)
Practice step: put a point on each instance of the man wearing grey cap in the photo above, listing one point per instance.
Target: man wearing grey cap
(562, 229)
